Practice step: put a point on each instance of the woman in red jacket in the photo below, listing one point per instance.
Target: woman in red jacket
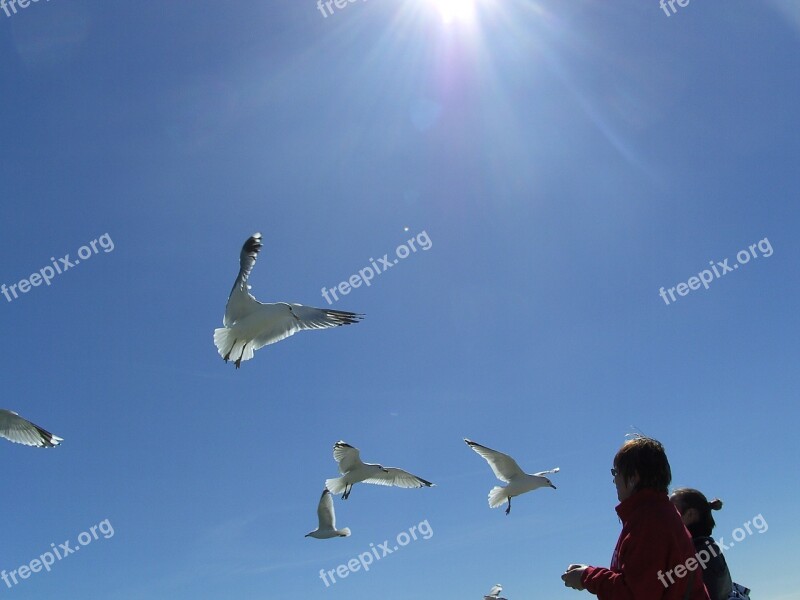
(654, 558)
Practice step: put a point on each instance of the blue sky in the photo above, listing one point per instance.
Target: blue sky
(566, 160)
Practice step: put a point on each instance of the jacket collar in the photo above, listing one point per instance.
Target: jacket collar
(629, 506)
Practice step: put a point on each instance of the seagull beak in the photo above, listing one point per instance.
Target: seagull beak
(552, 486)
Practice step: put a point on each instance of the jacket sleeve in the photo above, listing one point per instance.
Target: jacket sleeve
(640, 559)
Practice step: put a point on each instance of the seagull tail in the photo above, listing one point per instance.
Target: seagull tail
(497, 496)
(344, 532)
(229, 347)
(335, 486)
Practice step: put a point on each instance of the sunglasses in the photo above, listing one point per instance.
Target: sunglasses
(614, 472)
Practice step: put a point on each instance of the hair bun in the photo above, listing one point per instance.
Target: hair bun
(715, 504)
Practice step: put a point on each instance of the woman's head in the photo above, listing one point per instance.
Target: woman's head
(641, 463)
(695, 510)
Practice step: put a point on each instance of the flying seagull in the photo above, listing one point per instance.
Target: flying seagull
(506, 469)
(494, 593)
(250, 324)
(353, 471)
(327, 520)
(21, 431)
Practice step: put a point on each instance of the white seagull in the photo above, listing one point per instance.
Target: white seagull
(494, 593)
(506, 469)
(250, 324)
(21, 431)
(327, 520)
(354, 471)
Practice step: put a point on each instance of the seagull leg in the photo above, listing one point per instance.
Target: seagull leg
(239, 360)
(228, 355)
(508, 510)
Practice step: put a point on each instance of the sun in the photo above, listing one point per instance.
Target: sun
(455, 10)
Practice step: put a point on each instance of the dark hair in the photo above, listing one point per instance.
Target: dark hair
(645, 457)
(686, 498)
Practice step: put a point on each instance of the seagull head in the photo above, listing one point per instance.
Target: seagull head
(382, 468)
(550, 483)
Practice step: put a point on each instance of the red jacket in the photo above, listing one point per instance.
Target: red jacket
(653, 542)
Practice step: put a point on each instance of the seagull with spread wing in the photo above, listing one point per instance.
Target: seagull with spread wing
(506, 469)
(21, 431)
(353, 471)
(327, 520)
(494, 593)
(250, 324)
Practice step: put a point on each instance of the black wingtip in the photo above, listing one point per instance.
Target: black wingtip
(48, 439)
(343, 317)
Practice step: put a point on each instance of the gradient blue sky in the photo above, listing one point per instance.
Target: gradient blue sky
(566, 159)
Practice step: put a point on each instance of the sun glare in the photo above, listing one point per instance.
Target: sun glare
(455, 10)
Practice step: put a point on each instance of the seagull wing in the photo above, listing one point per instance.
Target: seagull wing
(347, 456)
(399, 478)
(540, 473)
(19, 430)
(281, 323)
(505, 468)
(277, 323)
(308, 317)
(241, 302)
(327, 518)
